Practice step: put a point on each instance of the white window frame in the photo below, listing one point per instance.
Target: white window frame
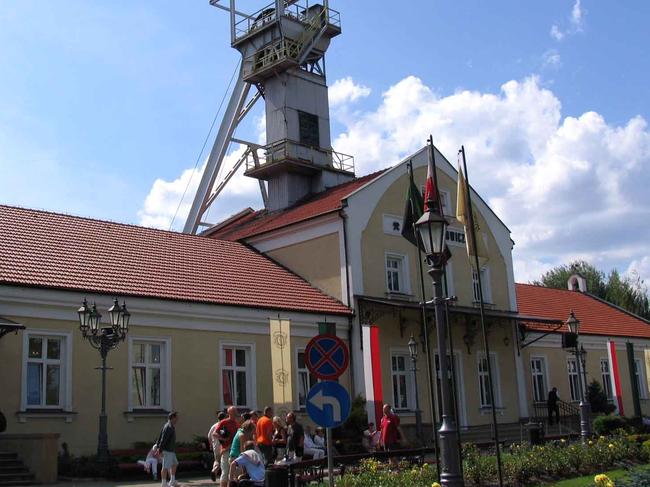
(408, 373)
(494, 359)
(301, 370)
(543, 374)
(165, 372)
(65, 378)
(573, 394)
(445, 200)
(485, 283)
(251, 377)
(449, 276)
(405, 280)
(640, 378)
(606, 382)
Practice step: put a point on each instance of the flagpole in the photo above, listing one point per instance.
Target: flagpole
(425, 335)
(454, 385)
(482, 312)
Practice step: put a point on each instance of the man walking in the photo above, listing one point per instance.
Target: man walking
(264, 434)
(553, 406)
(389, 429)
(167, 447)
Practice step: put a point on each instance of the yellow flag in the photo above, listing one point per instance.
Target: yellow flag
(281, 364)
(462, 215)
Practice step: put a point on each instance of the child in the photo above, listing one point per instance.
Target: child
(150, 464)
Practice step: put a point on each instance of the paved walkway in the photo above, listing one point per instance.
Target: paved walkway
(191, 482)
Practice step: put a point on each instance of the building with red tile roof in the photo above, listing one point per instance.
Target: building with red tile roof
(597, 316)
(248, 223)
(51, 250)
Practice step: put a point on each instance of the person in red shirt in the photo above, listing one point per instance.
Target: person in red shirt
(389, 429)
(264, 434)
(225, 432)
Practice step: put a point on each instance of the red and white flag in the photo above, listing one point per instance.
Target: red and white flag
(615, 377)
(430, 190)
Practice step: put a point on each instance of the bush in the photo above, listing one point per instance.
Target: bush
(637, 479)
(356, 423)
(606, 425)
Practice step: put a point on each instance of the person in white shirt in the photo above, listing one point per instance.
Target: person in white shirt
(311, 448)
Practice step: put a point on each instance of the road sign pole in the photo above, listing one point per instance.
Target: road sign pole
(330, 457)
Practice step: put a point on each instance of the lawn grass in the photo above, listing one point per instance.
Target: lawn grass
(588, 480)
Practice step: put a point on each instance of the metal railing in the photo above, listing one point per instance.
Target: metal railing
(298, 10)
(272, 54)
(289, 149)
(569, 419)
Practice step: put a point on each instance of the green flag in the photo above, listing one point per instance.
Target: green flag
(413, 209)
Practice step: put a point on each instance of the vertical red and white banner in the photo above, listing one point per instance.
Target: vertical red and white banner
(615, 377)
(372, 373)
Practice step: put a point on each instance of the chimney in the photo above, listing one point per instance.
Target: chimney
(577, 283)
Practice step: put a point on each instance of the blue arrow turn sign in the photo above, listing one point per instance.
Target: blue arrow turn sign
(328, 404)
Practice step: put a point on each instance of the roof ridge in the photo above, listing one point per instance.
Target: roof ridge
(110, 222)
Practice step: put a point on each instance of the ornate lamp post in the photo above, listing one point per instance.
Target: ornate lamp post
(103, 338)
(432, 228)
(573, 324)
(413, 352)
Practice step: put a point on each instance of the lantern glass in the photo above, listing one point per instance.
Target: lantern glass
(413, 348)
(115, 312)
(126, 316)
(84, 316)
(95, 318)
(573, 324)
(432, 229)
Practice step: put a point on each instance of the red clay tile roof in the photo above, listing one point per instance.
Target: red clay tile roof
(245, 225)
(596, 317)
(51, 250)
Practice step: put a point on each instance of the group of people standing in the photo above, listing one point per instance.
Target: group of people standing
(243, 445)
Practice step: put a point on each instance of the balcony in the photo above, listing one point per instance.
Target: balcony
(299, 158)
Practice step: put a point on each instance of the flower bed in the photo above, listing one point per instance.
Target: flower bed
(523, 465)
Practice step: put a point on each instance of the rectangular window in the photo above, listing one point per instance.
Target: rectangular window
(606, 378)
(395, 282)
(308, 129)
(306, 380)
(485, 285)
(236, 375)
(638, 375)
(402, 379)
(574, 387)
(538, 371)
(45, 371)
(484, 382)
(148, 373)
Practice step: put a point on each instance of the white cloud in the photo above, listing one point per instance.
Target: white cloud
(576, 23)
(640, 267)
(163, 199)
(567, 187)
(345, 90)
(551, 59)
(556, 33)
(576, 16)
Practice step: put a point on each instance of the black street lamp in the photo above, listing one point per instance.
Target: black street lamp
(413, 352)
(103, 338)
(432, 227)
(573, 324)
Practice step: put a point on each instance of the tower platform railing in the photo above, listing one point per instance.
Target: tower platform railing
(291, 150)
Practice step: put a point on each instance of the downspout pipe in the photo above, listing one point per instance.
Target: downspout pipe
(344, 221)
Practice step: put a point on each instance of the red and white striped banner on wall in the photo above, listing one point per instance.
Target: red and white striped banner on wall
(615, 377)
(372, 373)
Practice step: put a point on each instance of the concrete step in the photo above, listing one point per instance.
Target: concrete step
(7, 455)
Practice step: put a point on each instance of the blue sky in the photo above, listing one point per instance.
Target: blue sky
(104, 103)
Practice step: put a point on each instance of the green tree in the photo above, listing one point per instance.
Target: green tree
(628, 292)
(558, 276)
